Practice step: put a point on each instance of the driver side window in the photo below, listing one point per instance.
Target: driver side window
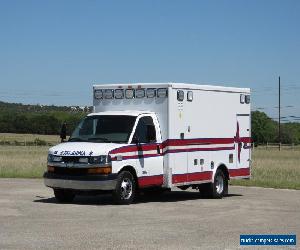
(145, 130)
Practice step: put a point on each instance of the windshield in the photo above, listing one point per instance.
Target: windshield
(104, 128)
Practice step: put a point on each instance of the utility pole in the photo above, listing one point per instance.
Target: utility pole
(279, 127)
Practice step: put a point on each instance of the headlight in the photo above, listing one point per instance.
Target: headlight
(102, 159)
(54, 158)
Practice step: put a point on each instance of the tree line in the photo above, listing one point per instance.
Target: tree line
(36, 119)
(264, 130)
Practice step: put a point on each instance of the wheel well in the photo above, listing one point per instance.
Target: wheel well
(133, 172)
(225, 170)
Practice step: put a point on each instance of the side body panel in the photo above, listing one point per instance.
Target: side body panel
(209, 125)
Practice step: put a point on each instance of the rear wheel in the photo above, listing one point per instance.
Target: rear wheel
(64, 195)
(124, 192)
(217, 189)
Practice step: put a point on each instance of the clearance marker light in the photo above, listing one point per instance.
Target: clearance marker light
(247, 99)
(242, 98)
(190, 96)
(98, 94)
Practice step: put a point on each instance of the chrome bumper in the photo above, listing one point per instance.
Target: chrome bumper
(81, 185)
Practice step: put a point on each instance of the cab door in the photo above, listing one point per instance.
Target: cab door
(149, 155)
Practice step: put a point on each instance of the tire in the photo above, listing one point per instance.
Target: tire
(125, 190)
(64, 195)
(183, 188)
(218, 189)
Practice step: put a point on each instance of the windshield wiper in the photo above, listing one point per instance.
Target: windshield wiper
(98, 138)
(76, 139)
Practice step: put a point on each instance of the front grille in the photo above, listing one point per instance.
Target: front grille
(70, 171)
(70, 159)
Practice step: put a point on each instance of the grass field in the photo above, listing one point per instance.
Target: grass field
(273, 168)
(25, 138)
(270, 168)
(21, 161)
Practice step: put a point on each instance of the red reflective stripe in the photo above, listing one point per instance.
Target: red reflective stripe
(245, 139)
(134, 148)
(239, 172)
(198, 176)
(156, 180)
(185, 142)
(197, 149)
(175, 142)
(124, 149)
(178, 178)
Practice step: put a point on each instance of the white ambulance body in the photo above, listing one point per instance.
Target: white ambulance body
(183, 135)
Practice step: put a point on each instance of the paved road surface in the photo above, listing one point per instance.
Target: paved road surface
(30, 218)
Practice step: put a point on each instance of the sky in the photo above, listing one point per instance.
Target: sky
(52, 52)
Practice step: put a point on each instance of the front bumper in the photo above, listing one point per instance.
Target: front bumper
(84, 183)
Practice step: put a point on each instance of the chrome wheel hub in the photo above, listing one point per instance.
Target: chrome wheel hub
(219, 184)
(126, 189)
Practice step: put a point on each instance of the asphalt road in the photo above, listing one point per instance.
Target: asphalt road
(30, 218)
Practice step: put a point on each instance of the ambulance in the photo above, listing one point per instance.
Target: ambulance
(155, 136)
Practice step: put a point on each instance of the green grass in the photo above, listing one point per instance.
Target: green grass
(23, 162)
(270, 168)
(26, 138)
(275, 169)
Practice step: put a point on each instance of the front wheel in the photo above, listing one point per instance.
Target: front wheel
(124, 192)
(63, 195)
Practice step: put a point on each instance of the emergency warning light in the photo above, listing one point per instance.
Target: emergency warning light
(139, 93)
(162, 92)
(150, 93)
(108, 94)
(129, 93)
(98, 94)
(119, 93)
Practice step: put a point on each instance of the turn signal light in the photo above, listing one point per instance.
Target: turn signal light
(102, 170)
(50, 169)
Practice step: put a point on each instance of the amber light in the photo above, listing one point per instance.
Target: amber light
(102, 170)
(50, 169)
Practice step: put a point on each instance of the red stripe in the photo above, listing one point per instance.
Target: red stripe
(134, 148)
(245, 139)
(185, 142)
(178, 142)
(239, 172)
(198, 176)
(197, 149)
(156, 180)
